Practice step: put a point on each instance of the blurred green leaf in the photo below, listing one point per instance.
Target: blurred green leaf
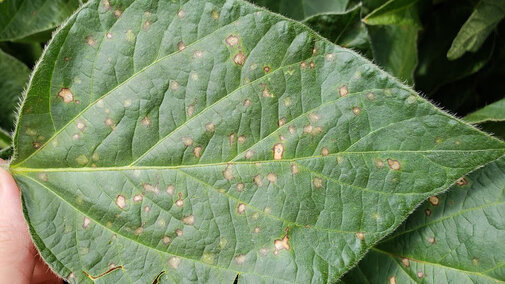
(301, 9)
(22, 18)
(395, 49)
(434, 69)
(6, 153)
(13, 78)
(491, 118)
(5, 139)
(454, 238)
(395, 12)
(496, 128)
(492, 112)
(487, 14)
(344, 29)
(478, 90)
(26, 52)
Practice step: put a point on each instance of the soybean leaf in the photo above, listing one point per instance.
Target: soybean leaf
(490, 118)
(454, 238)
(471, 93)
(5, 139)
(28, 53)
(492, 112)
(394, 46)
(5, 144)
(395, 12)
(13, 78)
(395, 49)
(486, 16)
(22, 18)
(6, 153)
(434, 69)
(302, 9)
(199, 141)
(344, 29)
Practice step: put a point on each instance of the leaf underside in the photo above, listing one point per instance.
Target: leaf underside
(447, 240)
(194, 141)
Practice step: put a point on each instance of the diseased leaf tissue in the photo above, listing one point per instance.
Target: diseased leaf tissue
(205, 140)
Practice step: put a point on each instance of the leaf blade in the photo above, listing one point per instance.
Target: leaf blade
(14, 76)
(20, 19)
(422, 249)
(477, 28)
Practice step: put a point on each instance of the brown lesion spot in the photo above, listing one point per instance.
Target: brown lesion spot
(434, 200)
(278, 150)
(360, 236)
(121, 201)
(66, 94)
(343, 91)
(406, 262)
(317, 182)
(394, 164)
(197, 151)
(258, 180)
(232, 40)
(241, 208)
(282, 244)
(180, 201)
(239, 58)
(228, 173)
(181, 46)
(462, 181)
(86, 222)
(427, 212)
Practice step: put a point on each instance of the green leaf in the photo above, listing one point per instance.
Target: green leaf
(344, 29)
(492, 112)
(199, 141)
(395, 49)
(395, 12)
(434, 69)
(302, 9)
(487, 14)
(454, 238)
(6, 153)
(5, 139)
(28, 53)
(5, 145)
(490, 118)
(22, 18)
(13, 78)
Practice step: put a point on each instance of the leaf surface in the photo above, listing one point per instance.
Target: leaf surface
(13, 77)
(455, 238)
(22, 18)
(198, 141)
(487, 14)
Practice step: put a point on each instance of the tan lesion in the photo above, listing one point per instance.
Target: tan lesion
(282, 244)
